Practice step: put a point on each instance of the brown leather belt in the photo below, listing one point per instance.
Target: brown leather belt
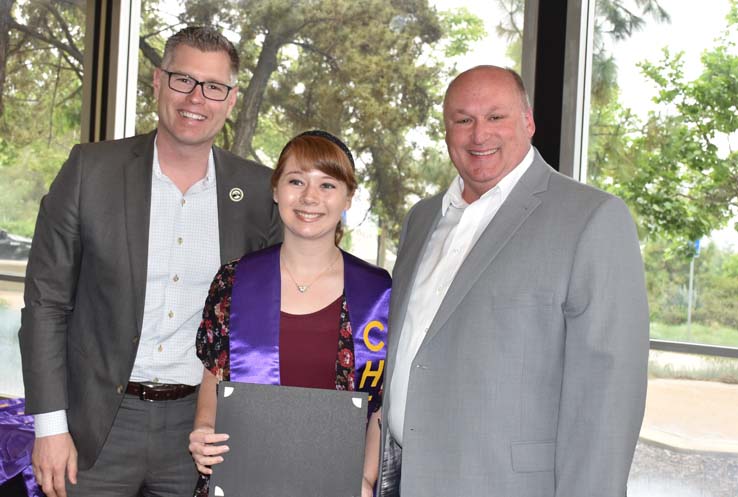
(159, 391)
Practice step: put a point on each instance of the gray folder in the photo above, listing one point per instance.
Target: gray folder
(288, 441)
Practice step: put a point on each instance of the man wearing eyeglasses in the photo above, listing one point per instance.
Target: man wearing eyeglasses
(126, 244)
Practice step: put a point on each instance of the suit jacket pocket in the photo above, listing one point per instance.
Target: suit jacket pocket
(530, 457)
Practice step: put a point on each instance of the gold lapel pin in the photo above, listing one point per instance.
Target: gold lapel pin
(236, 194)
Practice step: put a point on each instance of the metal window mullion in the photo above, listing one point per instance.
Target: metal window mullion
(110, 69)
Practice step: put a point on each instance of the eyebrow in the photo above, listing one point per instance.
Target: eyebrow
(183, 73)
(303, 172)
(489, 110)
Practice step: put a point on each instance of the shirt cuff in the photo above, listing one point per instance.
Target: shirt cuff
(50, 423)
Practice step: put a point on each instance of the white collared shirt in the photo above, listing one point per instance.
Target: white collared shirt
(457, 231)
(183, 257)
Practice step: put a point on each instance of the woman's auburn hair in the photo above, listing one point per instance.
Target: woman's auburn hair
(314, 152)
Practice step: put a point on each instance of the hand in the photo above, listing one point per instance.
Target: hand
(367, 489)
(204, 452)
(53, 456)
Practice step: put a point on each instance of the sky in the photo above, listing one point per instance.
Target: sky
(691, 30)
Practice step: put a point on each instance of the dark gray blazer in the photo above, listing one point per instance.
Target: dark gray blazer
(86, 277)
(531, 380)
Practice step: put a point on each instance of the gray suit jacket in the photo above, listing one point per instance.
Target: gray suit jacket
(86, 277)
(531, 380)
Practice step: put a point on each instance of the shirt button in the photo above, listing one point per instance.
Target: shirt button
(180, 241)
(170, 314)
(161, 348)
(175, 278)
(135, 339)
(156, 380)
(119, 389)
(183, 201)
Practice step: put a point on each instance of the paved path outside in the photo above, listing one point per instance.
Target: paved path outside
(692, 415)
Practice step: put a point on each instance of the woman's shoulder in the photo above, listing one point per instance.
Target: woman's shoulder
(262, 256)
(226, 275)
(227, 270)
(366, 269)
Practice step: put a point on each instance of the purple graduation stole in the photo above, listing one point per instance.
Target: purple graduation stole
(254, 319)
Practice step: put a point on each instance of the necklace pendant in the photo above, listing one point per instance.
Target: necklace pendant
(302, 288)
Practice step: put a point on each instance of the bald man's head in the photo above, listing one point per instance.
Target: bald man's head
(489, 125)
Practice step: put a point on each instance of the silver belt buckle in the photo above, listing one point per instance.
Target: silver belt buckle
(146, 387)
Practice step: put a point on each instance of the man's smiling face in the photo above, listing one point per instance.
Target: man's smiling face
(488, 128)
(191, 119)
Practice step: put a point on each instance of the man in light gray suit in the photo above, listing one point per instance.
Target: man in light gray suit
(518, 353)
(126, 244)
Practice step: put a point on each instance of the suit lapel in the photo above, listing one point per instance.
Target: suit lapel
(521, 202)
(232, 193)
(137, 185)
(418, 233)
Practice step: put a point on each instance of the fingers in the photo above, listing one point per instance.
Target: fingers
(47, 484)
(53, 458)
(203, 450)
(208, 438)
(72, 468)
(59, 483)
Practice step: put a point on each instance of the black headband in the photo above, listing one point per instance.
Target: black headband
(334, 139)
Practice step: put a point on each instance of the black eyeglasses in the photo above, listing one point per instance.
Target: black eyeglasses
(182, 83)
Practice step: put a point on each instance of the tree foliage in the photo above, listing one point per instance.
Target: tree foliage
(715, 286)
(679, 169)
(41, 103)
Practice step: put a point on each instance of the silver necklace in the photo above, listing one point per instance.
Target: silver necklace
(306, 287)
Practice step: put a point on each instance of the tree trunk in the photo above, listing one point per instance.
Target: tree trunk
(5, 7)
(251, 99)
(381, 244)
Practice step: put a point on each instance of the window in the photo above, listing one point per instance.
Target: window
(40, 120)
(662, 136)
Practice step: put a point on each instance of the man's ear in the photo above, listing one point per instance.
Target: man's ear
(530, 124)
(232, 99)
(157, 82)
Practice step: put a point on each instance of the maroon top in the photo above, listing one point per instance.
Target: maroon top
(307, 347)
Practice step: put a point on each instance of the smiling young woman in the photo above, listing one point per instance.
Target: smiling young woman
(321, 304)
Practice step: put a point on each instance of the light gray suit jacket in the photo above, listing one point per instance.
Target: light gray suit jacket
(531, 380)
(86, 277)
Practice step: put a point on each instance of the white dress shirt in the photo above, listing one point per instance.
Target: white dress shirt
(183, 257)
(457, 231)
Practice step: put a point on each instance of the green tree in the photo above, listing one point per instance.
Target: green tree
(5, 8)
(682, 174)
(42, 64)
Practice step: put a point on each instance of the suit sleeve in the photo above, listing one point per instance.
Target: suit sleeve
(51, 281)
(606, 358)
